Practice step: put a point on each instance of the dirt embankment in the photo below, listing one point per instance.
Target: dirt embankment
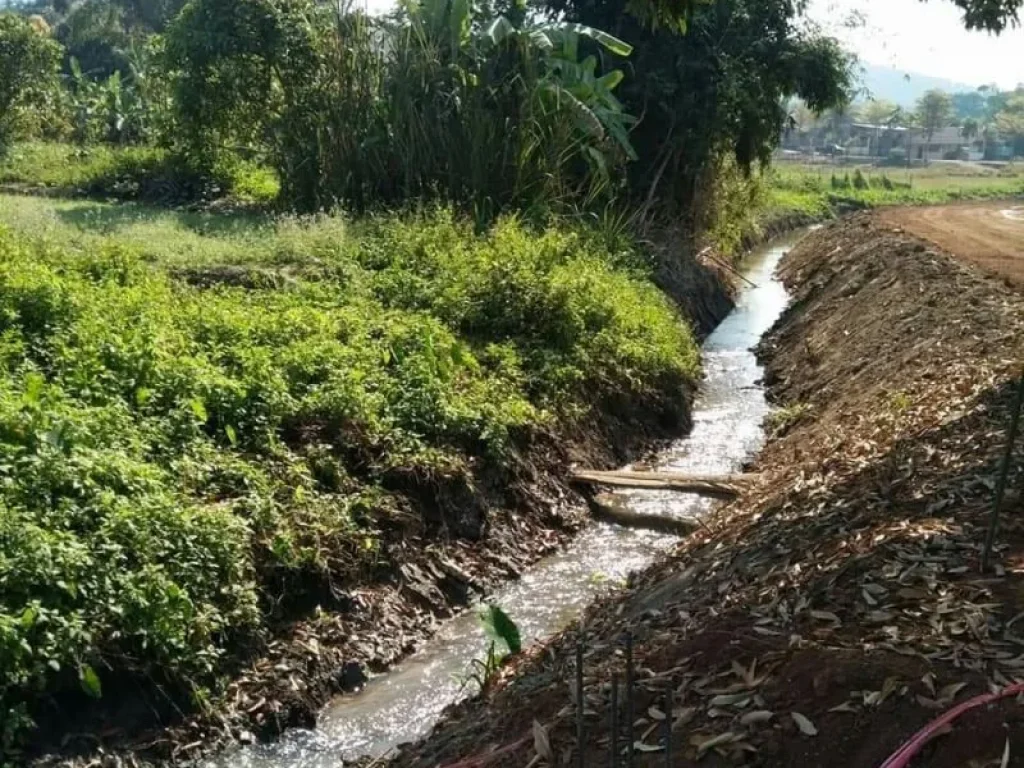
(836, 609)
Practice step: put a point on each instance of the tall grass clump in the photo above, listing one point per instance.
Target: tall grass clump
(181, 459)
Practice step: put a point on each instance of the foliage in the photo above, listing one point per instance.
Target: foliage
(781, 420)
(130, 108)
(500, 628)
(179, 449)
(810, 190)
(990, 15)
(102, 35)
(934, 111)
(434, 102)
(29, 62)
(134, 173)
(717, 90)
(505, 641)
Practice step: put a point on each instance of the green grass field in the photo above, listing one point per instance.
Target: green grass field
(815, 188)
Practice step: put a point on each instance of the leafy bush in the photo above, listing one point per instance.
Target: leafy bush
(860, 181)
(29, 61)
(176, 459)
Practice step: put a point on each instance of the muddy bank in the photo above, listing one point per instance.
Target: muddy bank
(837, 608)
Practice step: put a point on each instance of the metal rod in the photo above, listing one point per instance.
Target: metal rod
(614, 716)
(1004, 471)
(630, 709)
(580, 705)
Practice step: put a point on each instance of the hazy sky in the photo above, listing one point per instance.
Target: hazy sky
(928, 38)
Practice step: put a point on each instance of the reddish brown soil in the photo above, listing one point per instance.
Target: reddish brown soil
(850, 577)
(983, 234)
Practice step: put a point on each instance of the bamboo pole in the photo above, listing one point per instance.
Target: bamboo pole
(723, 486)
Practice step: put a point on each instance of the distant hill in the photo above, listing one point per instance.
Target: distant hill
(903, 87)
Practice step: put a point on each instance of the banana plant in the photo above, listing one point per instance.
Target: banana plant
(569, 84)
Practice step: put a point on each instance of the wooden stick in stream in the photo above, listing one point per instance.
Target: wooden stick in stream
(722, 487)
(608, 508)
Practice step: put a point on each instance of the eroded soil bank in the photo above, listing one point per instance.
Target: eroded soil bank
(842, 595)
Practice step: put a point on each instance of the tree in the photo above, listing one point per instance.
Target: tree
(879, 112)
(934, 111)
(1010, 121)
(29, 62)
(434, 102)
(969, 129)
(718, 91)
(990, 15)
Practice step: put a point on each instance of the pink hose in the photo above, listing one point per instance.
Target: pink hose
(901, 757)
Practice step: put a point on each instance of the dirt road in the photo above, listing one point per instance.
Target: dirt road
(989, 235)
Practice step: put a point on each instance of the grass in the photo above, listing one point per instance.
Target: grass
(181, 454)
(815, 189)
(130, 173)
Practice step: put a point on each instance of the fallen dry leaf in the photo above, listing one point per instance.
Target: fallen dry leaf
(755, 717)
(542, 744)
(806, 726)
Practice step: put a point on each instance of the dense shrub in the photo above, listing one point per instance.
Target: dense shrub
(29, 61)
(169, 453)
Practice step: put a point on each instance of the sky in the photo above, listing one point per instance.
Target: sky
(925, 37)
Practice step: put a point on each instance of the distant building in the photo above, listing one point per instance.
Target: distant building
(944, 144)
(875, 140)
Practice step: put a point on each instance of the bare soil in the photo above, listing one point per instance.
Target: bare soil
(988, 235)
(841, 599)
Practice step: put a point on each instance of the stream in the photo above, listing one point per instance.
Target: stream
(405, 703)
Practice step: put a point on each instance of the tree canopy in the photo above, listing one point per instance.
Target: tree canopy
(934, 112)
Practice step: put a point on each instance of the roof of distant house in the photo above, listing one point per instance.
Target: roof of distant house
(880, 127)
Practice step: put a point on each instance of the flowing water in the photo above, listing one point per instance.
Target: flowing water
(405, 703)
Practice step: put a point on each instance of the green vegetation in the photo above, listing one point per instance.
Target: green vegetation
(28, 72)
(505, 641)
(817, 189)
(132, 173)
(183, 444)
(781, 420)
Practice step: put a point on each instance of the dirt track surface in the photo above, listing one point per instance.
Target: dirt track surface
(989, 235)
(837, 608)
